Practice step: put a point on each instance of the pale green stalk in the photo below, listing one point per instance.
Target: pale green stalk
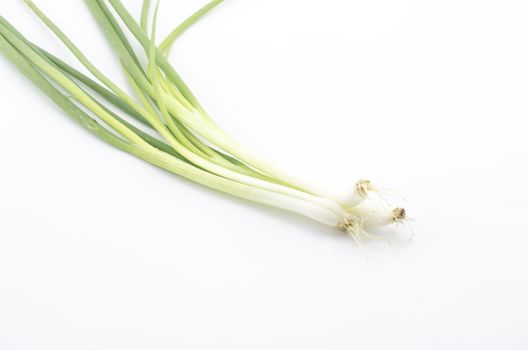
(145, 15)
(188, 140)
(166, 44)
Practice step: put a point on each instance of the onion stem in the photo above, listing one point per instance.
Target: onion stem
(179, 135)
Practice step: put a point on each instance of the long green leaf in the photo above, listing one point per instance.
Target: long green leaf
(144, 15)
(144, 40)
(167, 43)
(77, 114)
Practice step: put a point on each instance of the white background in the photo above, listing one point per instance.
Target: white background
(99, 250)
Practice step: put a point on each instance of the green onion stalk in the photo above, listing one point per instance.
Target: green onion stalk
(187, 141)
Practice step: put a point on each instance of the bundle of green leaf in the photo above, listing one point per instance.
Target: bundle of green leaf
(188, 142)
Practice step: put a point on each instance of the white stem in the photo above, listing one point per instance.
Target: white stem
(355, 196)
(309, 209)
(377, 215)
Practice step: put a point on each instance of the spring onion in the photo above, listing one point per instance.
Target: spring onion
(188, 141)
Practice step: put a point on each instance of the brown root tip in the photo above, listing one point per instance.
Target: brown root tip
(348, 225)
(398, 214)
(362, 187)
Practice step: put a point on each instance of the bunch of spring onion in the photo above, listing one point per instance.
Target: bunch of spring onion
(188, 141)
